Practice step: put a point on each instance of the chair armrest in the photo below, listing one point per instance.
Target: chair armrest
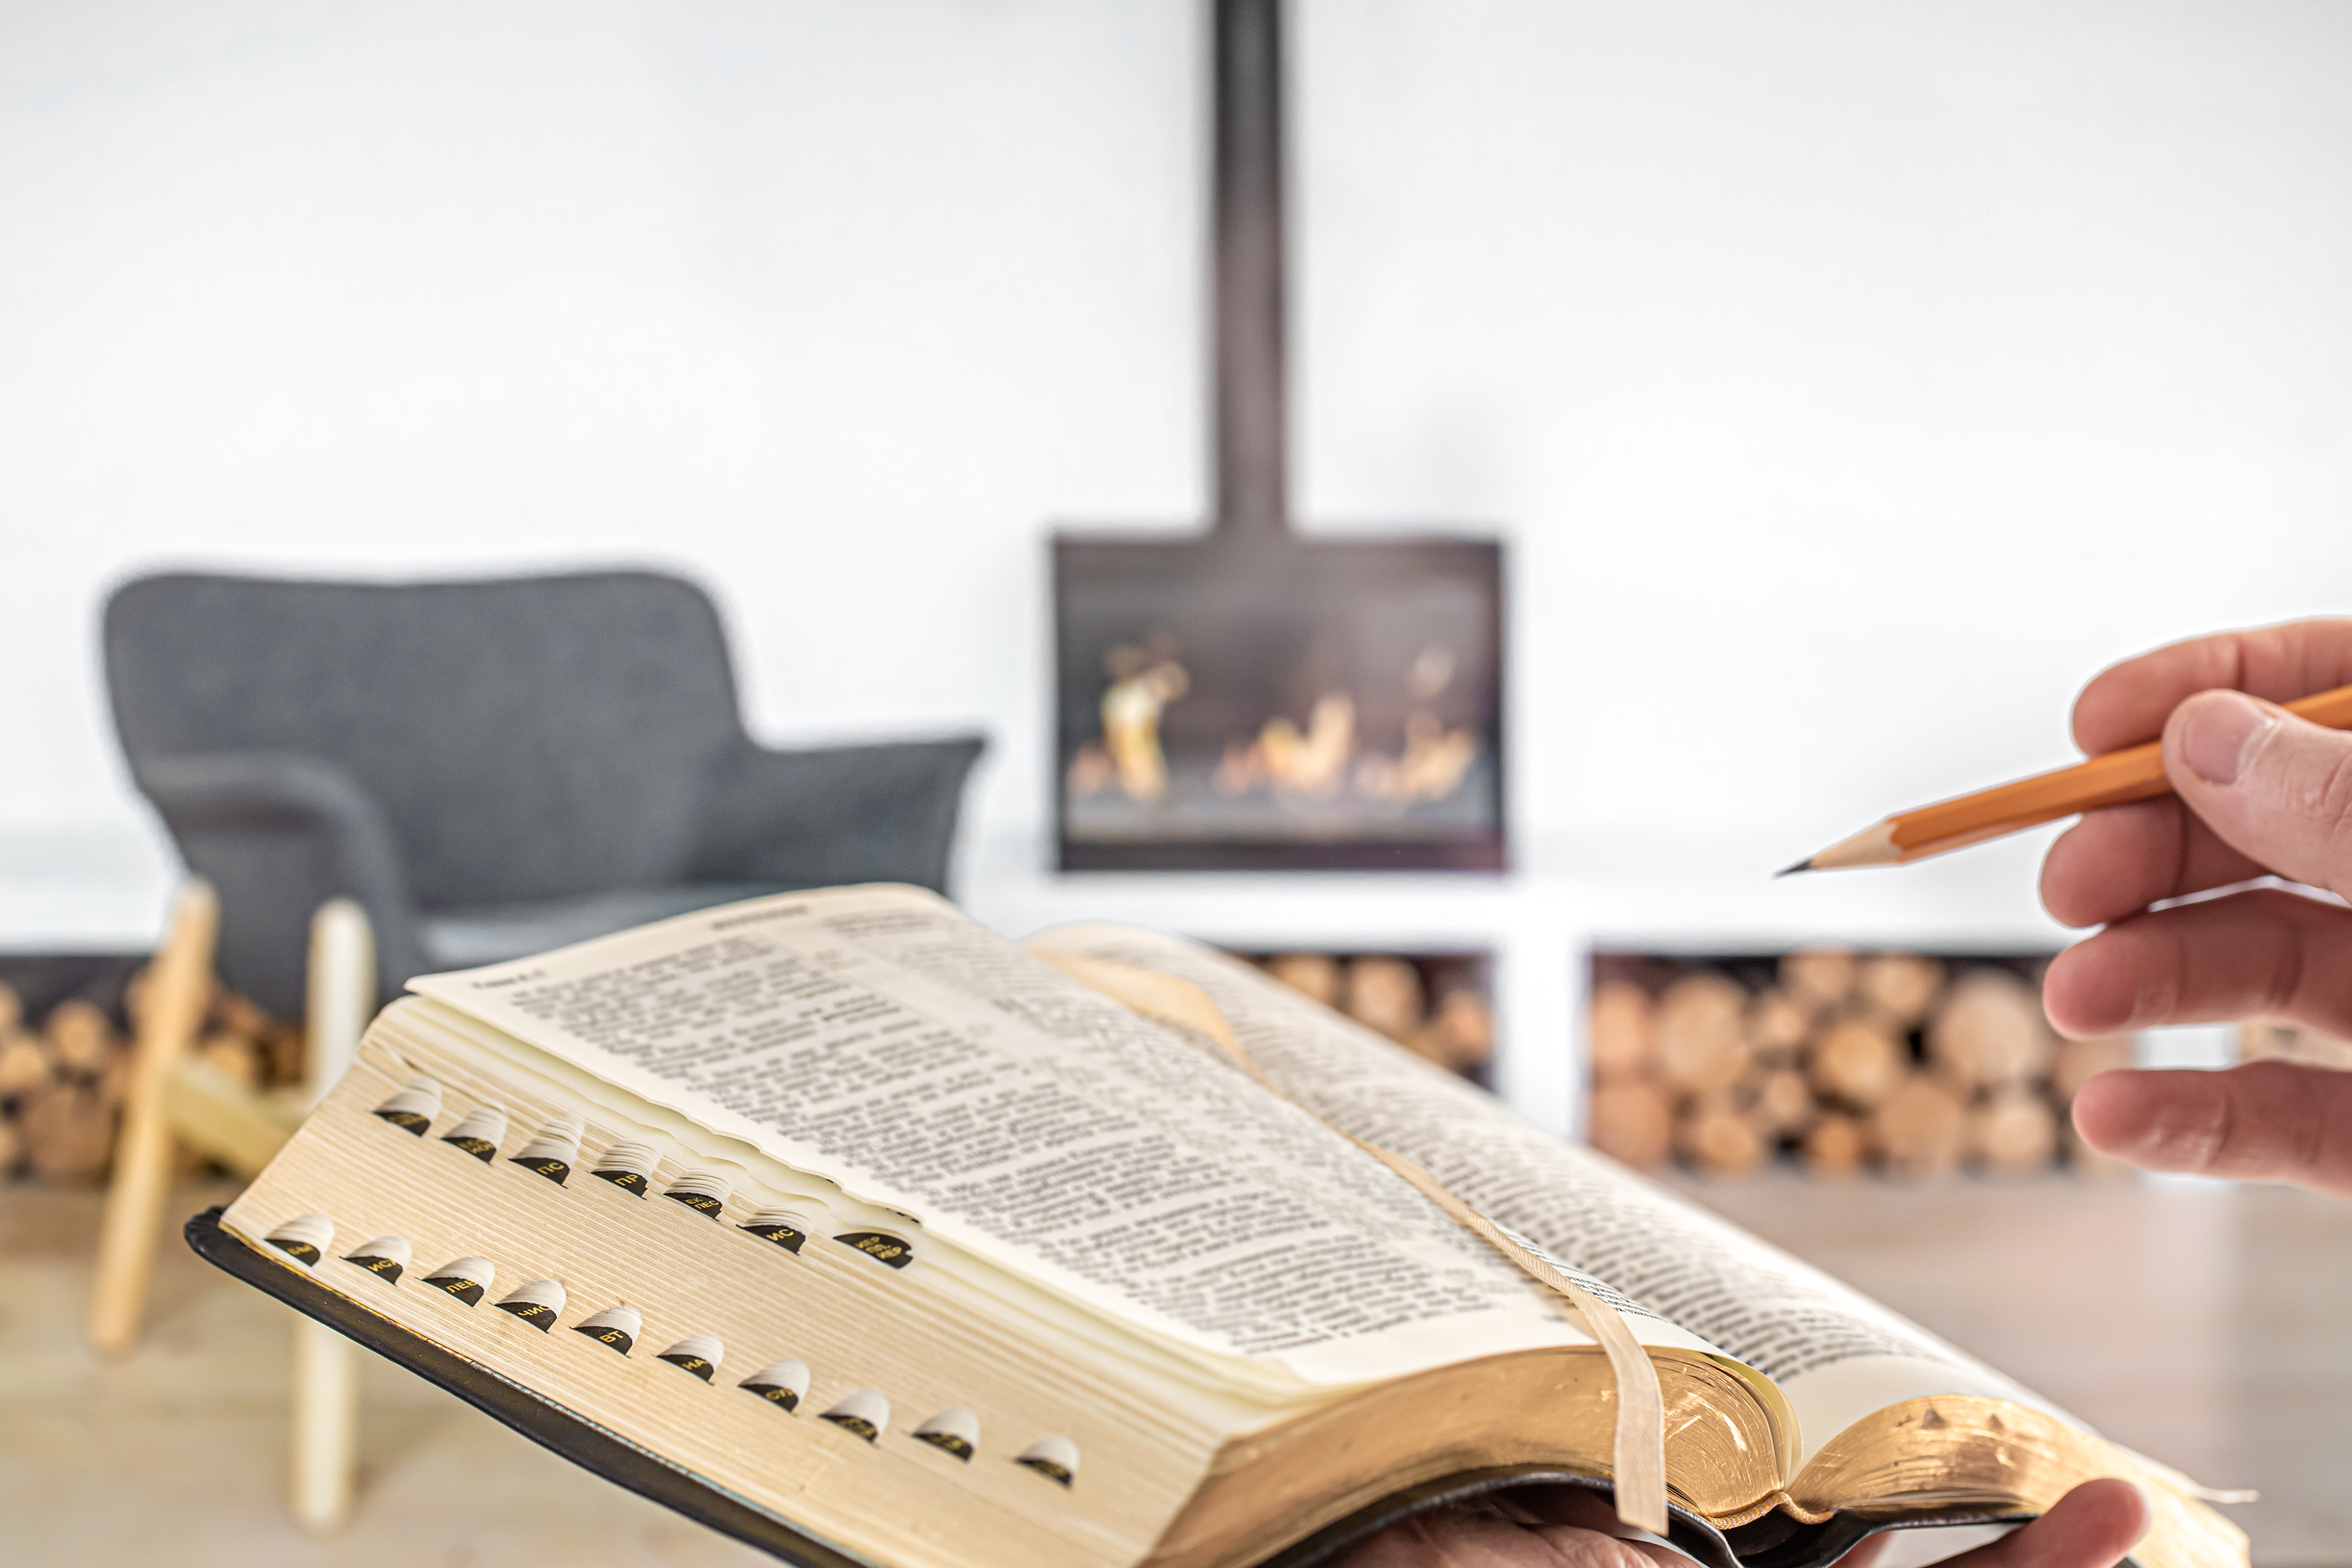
(278, 835)
(827, 815)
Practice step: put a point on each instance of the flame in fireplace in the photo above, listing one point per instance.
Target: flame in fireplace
(1434, 761)
(1315, 763)
(1144, 680)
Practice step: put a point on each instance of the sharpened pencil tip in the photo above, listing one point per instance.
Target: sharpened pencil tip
(1804, 865)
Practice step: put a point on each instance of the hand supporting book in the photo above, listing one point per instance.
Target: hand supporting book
(2258, 793)
(2092, 1527)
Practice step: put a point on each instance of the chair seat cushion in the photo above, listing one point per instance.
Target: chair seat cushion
(462, 939)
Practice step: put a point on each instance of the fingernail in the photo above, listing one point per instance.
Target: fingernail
(2222, 733)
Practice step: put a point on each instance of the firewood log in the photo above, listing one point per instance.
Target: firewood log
(1630, 1121)
(1720, 1137)
(1702, 1045)
(1778, 1026)
(69, 1133)
(1990, 1031)
(2268, 1041)
(1920, 1128)
(2079, 1061)
(1818, 977)
(1784, 1104)
(25, 1066)
(2260, 1040)
(232, 1055)
(1836, 1147)
(114, 1083)
(1621, 1031)
(1463, 1026)
(2013, 1133)
(1856, 1061)
(283, 1053)
(1424, 1043)
(1384, 993)
(2084, 1161)
(1312, 974)
(80, 1037)
(231, 1014)
(134, 994)
(1901, 986)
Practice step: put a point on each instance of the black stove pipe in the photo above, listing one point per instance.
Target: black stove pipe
(1250, 413)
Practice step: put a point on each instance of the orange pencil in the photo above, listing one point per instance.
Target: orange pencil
(2136, 772)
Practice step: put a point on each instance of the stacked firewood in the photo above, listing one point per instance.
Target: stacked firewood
(1433, 1005)
(1913, 1066)
(64, 1078)
(2266, 1041)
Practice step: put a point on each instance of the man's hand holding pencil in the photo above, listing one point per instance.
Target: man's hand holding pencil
(2256, 793)
(2215, 762)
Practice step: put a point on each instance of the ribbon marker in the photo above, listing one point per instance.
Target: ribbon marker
(1638, 1464)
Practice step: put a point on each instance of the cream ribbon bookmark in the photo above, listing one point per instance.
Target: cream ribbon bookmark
(1639, 1461)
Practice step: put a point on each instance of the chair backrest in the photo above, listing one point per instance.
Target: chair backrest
(527, 738)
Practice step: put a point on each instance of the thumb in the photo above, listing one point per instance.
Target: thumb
(2276, 787)
(2091, 1527)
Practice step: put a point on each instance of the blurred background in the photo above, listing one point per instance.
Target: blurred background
(1842, 383)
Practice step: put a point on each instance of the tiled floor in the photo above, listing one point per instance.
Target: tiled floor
(2205, 1327)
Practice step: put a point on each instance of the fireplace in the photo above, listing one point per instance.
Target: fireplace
(1254, 698)
(1293, 703)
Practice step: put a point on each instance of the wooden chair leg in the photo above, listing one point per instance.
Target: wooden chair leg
(325, 1448)
(179, 985)
(341, 1001)
(325, 1453)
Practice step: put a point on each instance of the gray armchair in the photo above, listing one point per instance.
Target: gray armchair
(489, 768)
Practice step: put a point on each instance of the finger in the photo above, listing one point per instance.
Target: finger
(2266, 1121)
(1867, 1554)
(2118, 861)
(2128, 703)
(1574, 1548)
(1582, 1512)
(2091, 1527)
(2276, 787)
(2260, 955)
(1467, 1538)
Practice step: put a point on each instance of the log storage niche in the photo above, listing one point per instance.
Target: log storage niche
(65, 1028)
(1839, 1062)
(1438, 1006)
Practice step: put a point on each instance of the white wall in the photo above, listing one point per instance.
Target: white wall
(829, 305)
(1857, 378)
(1852, 379)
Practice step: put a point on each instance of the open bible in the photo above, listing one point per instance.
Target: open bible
(846, 1226)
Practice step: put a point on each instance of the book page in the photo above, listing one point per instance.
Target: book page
(879, 1038)
(1837, 1354)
